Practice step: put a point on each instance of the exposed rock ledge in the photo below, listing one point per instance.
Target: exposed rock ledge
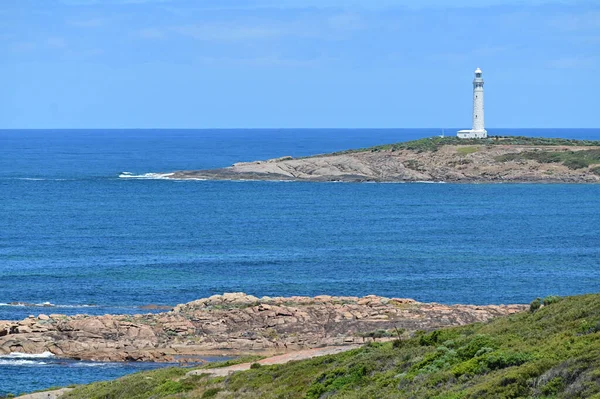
(448, 163)
(232, 324)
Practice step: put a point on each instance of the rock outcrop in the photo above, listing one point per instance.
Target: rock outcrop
(233, 324)
(449, 163)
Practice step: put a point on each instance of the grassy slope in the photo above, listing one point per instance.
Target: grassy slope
(434, 143)
(572, 159)
(552, 353)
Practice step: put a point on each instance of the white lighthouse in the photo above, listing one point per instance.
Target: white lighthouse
(478, 131)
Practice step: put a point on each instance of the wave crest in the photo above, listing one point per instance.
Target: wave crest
(44, 305)
(24, 359)
(20, 355)
(153, 176)
(20, 362)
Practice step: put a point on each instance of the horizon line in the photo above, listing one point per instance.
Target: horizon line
(288, 128)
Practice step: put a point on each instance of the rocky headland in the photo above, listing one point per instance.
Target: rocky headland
(491, 160)
(235, 324)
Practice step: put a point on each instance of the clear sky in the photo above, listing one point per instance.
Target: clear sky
(297, 63)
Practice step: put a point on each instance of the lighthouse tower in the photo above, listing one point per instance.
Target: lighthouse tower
(478, 131)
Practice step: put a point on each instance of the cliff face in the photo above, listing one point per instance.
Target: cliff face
(447, 163)
(234, 324)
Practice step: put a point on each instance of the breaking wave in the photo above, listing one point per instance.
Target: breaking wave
(44, 305)
(24, 359)
(35, 179)
(159, 176)
(19, 355)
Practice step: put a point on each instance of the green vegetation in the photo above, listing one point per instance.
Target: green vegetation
(467, 150)
(571, 159)
(551, 352)
(161, 383)
(232, 362)
(435, 143)
(535, 305)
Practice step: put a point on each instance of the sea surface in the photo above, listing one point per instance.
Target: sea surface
(76, 238)
(21, 373)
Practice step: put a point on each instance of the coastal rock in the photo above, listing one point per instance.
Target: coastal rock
(234, 323)
(449, 163)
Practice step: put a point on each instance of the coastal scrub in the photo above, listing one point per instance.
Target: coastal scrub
(553, 352)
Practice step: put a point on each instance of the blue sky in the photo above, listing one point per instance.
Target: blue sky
(309, 63)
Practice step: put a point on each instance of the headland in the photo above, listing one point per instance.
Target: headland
(493, 159)
(235, 324)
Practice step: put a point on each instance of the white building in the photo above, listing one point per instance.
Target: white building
(478, 131)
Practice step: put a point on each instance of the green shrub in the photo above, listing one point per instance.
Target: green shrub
(430, 339)
(397, 343)
(553, 386)
(436, 337)
(535, 305)
(171, 387)
(470, 367)
(255, 366)
(589, 327)
(571, 159)
(337, 379)
(499, 360)
(576, 163)
(474, 345)
(550, 299)
(210, 393)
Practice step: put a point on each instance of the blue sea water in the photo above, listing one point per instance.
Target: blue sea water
(75, 235)
(23, 374)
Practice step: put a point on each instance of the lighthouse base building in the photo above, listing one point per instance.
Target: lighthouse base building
(478, 131)
(472, 134)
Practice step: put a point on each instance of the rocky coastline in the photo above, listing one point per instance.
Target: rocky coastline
(235, 324)
(447, 160)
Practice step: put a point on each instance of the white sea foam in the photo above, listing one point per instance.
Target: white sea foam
(45, 305)
(92, 364)
(20, 362)
(154, 176)
(24, 359)
(19, 355)
(75, 306)
(36, 179)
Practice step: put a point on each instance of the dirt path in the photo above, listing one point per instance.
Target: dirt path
(280, 359)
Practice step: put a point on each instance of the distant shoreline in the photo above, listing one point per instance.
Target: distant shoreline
(431, 160)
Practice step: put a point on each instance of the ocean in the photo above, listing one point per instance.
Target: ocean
(76, 238)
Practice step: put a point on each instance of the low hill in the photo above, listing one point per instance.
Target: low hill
(449, 159)
(552, 351)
